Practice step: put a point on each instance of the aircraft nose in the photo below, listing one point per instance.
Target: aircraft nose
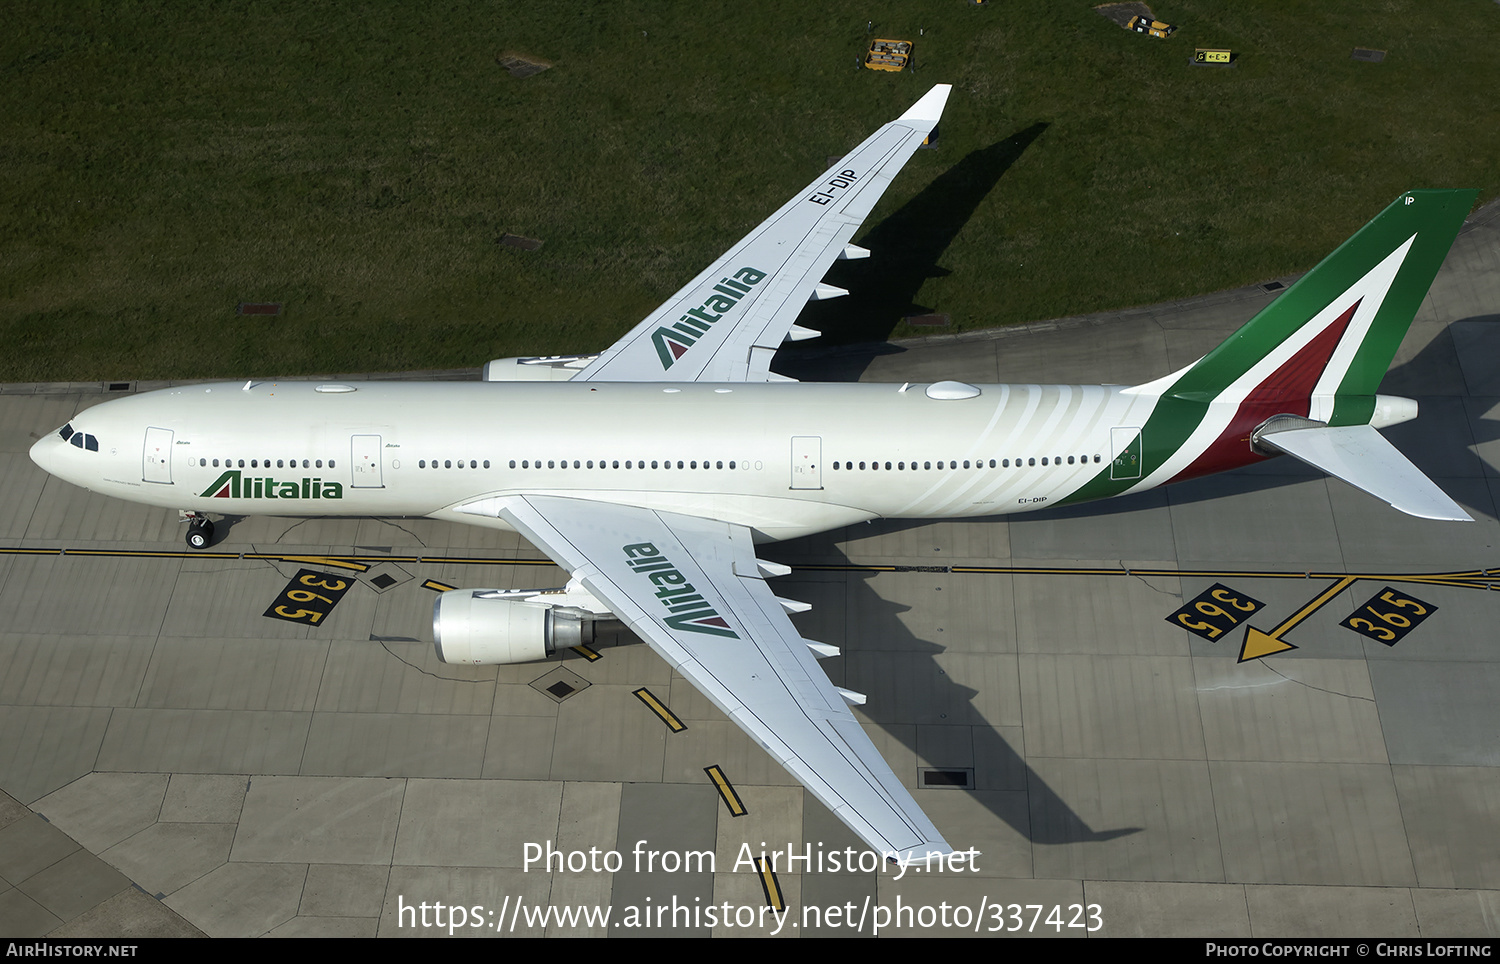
(44, 452)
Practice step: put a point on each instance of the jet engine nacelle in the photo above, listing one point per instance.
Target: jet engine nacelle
(478, 627)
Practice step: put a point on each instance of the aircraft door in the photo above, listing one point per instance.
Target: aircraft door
(157, 457)
(1126, 443)
(366, 461)
(807, 462)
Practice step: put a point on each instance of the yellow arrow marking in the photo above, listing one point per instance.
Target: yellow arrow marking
(1259, 644)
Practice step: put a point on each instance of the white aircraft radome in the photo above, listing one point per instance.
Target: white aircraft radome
(663, 461)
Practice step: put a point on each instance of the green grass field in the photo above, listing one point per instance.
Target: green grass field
(164, 161)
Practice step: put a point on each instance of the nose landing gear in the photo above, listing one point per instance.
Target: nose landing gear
(200, 533)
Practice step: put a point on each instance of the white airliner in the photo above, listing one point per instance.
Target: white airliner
(650, 472)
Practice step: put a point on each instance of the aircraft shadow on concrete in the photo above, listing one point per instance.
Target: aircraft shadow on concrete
(905, 248)
(1008, 787)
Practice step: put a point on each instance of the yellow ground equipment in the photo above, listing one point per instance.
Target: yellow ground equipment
(1155, 28)
(888, 55)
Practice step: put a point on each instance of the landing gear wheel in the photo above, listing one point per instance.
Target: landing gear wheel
(200, 533)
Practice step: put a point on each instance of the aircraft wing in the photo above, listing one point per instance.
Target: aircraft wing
(725, 324)
(693, 589)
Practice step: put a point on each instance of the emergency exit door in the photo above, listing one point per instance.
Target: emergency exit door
(366, 461)
(807, 462)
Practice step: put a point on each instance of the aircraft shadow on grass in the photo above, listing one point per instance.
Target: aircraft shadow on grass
(905, 248)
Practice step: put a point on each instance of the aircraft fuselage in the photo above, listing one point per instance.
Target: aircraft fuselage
(784, 459)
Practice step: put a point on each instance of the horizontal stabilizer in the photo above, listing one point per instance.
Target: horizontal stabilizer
(1362, 457)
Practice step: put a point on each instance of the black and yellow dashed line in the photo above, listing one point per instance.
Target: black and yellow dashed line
(769, 885)
(726, 790)
(1257, 643)
(660, 709)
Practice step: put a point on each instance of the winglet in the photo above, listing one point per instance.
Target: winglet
(930, 107)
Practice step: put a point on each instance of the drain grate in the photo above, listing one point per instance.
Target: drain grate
(521, 65)
(516, 241)
(963, 779)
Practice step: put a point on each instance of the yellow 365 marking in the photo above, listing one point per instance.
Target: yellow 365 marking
(1215, 611)
(301, 605)
(1389, 616)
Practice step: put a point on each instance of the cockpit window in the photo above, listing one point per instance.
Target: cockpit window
(82, 441)
(66, 431)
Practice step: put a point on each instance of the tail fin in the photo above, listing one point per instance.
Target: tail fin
(1331, 336)
(1318, 352)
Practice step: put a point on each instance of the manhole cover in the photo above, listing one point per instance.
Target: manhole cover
(560, 684)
